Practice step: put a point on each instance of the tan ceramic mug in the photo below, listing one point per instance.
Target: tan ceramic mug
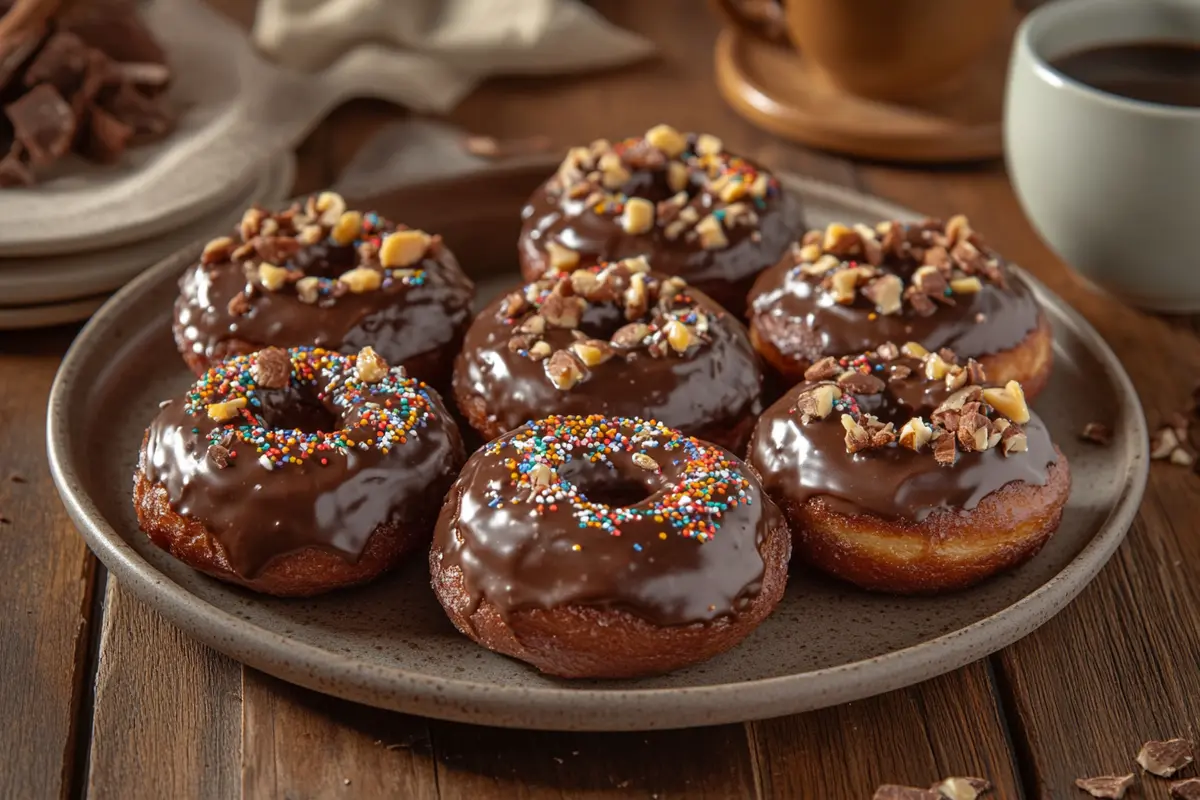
(887, 49)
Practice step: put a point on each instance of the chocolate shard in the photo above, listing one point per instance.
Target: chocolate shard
(822, 370)
(141, 113)
(1186, 790)
(272, 368)
(13, 169)
(105, 138)
(218, 455)
(61, 62)
(1109, 787)
(1165, 758)
(862, 383)
(43, 123)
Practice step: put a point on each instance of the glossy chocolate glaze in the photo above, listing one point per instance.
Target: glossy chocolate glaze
(402, 322)
(798, 462)
(259, 514)
(518, 559)
(552, 216)
(713, 386)
(803, 320)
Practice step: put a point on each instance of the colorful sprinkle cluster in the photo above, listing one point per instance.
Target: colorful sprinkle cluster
(380, 415)
(708, 486)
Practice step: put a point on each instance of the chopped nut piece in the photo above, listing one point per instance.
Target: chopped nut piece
(347, 227)
(708, 145)
(975, 372)
(973, 433)
(638, 216)
(1163, 442)
(893, 792)
(1096, 433)
(678, 336)
(220, 412)
(915, 434)
(968, 285)
(310, 234)
(945, 451)
(238, 305)
(251, 222)
(957, 229)
(855, 382)
(272, 368)
(630, 335)
(271, 277)
(677, 176)
(218, 455)
(636, 298)
(636, 264)
(712, 236)
(1182, 457)
(913, 350)
(217, 250)
(840, 240)
(361, 280)
(645, 462)
(1009, 401)
(809, 253)
(960, 398)
(885, 292)
(822, 370)
(1165, 758)
(1112, 787)
(930, 281)
(821, 265)
(817, 402)
(560, 311)
(593, 352)
(370, 366)
(935, 367)
(331, 206)
(857, 437)
(670, 141)
(562, 259)
(403, 248)
(883, 436)
(1186, 790)
(887, 351)
(1013, 440)
(612, 172)
(539, 350)
(962, 788)
(956, 378)
(563, 370)
(670, 288)
(844, 283)
(535, 325)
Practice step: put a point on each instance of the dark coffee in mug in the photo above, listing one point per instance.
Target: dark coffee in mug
(1165, 72)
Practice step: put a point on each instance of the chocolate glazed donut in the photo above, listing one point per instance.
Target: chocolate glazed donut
(607, 548)
(294, 472)
(683, 201)
(903, 471)
(845, 290)
(615, 340)
(319, 274)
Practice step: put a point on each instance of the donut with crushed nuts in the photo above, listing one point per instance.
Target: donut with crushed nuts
(324, 275)
(612, 339)
(295, 472)
(846, 289)
(607, 547)
(679, 199)
(905, 471)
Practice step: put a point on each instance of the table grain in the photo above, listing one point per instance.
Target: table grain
(102, 698)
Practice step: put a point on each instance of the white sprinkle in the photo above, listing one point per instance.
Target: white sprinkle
(266, 462)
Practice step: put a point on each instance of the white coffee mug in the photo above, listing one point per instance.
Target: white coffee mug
(1110, 183)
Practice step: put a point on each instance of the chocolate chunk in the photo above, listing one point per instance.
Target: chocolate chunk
(975, 372)
(1186, 790)
(15, 52)
(920, 303)
(1096, 433)
(218, 455)
(899, 372)
(43, 123)
(892, 792)
(272, 368)
(822, 370)
(276, 249)
(13, 169)
(1165, 758)
(61, 62)
(1112, 787)
(239, 304)
(136, 110)
(888, 351)
(945, 451)
(106, 137)
(120, 35)
(860, 383)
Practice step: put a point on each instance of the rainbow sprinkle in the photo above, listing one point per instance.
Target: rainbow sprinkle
(379, 416)
(709, 481)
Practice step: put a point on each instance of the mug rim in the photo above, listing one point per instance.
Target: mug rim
(1060, 11)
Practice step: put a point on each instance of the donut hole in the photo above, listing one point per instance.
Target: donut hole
(295, 409)
(653, 185)
(606, 485)
(602, 320)
(326, 259)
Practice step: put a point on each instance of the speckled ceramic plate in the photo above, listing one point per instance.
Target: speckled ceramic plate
(389, 644)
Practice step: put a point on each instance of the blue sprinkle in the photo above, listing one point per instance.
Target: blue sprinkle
(636, 546)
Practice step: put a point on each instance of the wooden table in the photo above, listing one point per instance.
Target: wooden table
(101, 697)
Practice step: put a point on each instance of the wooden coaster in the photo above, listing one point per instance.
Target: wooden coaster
(777, 89)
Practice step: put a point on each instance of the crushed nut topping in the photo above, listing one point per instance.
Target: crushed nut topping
(962, 788)
(370, 366)
(941, 262)
(665, 320)
(266, 245)
(272, 368)
(1165, 758)
(716, 193)
(1112, 787)
(1097, 433)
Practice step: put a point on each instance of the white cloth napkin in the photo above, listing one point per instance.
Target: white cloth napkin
(440, 49)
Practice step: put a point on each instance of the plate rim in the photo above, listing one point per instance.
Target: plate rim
(581, 708)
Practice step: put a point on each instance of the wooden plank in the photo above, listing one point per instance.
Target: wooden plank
(1118, 666)
(475, 762)
(299, 744)
(949, 726)
(46, 593)
(167, 718)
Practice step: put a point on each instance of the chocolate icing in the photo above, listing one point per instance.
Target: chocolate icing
(725, 274)
(798, 462)
(518, 559)
(801, 318)
(259, 514)
(402, 322)
(712, 386)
